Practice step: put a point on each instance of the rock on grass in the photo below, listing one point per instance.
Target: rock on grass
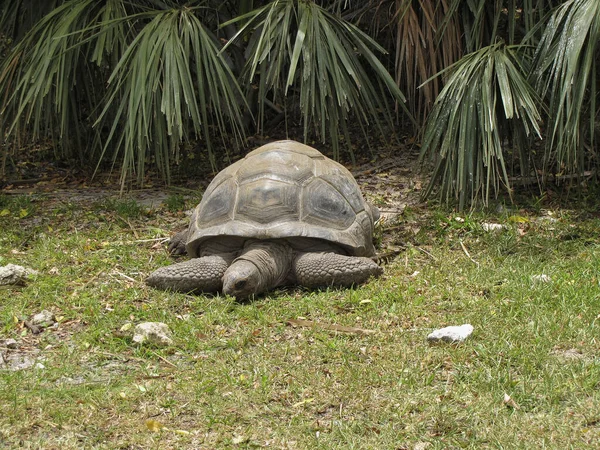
(156, 333)
(15, 275)
(453, 334)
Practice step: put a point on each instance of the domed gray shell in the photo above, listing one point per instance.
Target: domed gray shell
(280, 190)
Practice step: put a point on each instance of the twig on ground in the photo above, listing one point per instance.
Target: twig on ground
(162, 358)
(467, 253)
(427, 253)
(128, 278)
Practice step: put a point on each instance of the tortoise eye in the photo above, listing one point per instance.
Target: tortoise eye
(240, 284)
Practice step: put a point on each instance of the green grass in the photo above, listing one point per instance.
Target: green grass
(239, 376)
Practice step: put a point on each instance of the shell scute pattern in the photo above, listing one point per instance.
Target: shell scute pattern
(281, 190)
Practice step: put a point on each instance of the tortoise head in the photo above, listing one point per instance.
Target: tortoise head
(242, 279)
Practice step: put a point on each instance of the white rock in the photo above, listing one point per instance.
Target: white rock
(421, 445)
(546, 219)
(492, 226)
(14, 274)
(542, 278)
(156, 333)
(451, 334)
(44, 319)
(16, 362)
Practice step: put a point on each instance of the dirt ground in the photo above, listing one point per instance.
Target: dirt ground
(391, 180)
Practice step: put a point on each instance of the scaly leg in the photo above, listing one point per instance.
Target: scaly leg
(327, 269)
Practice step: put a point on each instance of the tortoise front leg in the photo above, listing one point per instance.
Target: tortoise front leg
(203, 274)
(177, 243)
(332, 269)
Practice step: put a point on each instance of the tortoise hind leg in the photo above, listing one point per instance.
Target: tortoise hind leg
(326, 269)
(203, 274)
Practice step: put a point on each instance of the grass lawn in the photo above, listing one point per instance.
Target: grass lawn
(245, 375)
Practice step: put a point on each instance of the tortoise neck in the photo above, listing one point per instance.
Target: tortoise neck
(261, 266)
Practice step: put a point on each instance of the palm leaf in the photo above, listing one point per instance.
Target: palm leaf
(565, 68)
(172, 80)
(299, 49)
(465, 132)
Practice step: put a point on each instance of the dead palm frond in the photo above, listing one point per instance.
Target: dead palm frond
(428, 38)
(486, 100)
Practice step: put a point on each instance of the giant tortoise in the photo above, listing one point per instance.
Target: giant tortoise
(285, 214)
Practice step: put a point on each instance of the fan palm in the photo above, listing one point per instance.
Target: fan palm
(161, 80)
(132, 80)
(487, 100)
(298, 48)
(566, 66)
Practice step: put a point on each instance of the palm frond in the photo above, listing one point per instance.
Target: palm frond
(166, 81)
(486, 95)
(17, 17)
(299, 48)
(169, 83)
(45, 79)
(565, 68)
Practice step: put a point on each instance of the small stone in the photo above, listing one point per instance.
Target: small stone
(39, 366)
(453, 334)
(421, 445)
(43, 319)
(11, 344)
(542, 278)
(546, 219)
(16, 362)
(156, 333)
(12, 274)
(492, 226)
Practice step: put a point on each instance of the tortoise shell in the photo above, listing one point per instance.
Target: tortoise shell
(284, 190)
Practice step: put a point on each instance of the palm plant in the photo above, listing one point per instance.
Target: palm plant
(566, 64)
(300, 49)
(487, 100)
(432, 35)
(150, 73)
(467, 134)
(132, 80)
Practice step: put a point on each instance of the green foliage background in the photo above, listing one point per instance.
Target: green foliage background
(491, 89)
